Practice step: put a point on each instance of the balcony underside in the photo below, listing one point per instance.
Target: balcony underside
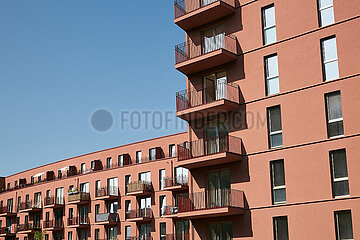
(55, 206)
(210, 213)
(8, 215)
(30, 210)
(139, 193)
(54, 229)
(139, 219)
(107, 223)
(79, 202)
(8, 235)
(177, 188)
(107, 198)
(209, 160)
(204, 15)
(79, 226)
(206, 61)
(207, 109)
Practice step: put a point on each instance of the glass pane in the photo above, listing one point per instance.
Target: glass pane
(272, 66)
(276, 140)
(341, 188)
(339, 164)
(273, 86)
(336, 129)
(282, 228)
(325, 3)
(331, 70)
(279, 195)
(334, 105)
(270, 35)
(345, 225)
(269, 18)
(275, 119)
(327, 16)
(278, 171)
(329, 49)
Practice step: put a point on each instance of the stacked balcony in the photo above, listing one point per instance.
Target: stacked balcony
(28, 228)
(139, 215)
(54, 202)
(209, 151)
(7, 232)
(78, 222)
(178, 183)
(190, 14)
(76, 197)
(30, 207)
(139, 188)
(53, 225)
(107, 193)
(107, 219)
(192, 57)
(7, 211)
(201, 102)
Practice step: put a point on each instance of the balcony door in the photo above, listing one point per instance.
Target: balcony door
(37, 199)
(112, 233)
(60, 196)
(9, 224)
(112, 207)
(213, 38)
(84, 187)
(145, 177)
(218, 189)
(145, 231)
(83, 234)
(215, 87)
(145, 206)
(83, 214)
(182, 230)
(215, 140)
(220, 231)
(113, 186)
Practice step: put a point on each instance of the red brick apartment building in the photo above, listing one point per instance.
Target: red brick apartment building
(272, 97)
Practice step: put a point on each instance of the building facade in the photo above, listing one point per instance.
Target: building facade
(270, 151)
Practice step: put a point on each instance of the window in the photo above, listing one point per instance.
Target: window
(213, 39)
(280, 228)
(339, 173)
(145, 177)
(127, 206)
(83, 168)
(127, 181)
(162, 205)
(272, 75)
(121, 160)
(326, 12)
(172, 150)
(37, 199)
(278, 181)
(97, 209)
(71, 212)
(220, 231)
(138, 156)
(69, 235)
(128, 232)
(162, 231)
(275, 128)
(162, 179)
(152, 154)
(8, 186)
(59, 196)
(19, 203)
(215, 87)
(113, 186)
(46, 237)
(16, 184)
(59, 174)
(32, 180)
(334, 114)
(330, 59)
(108, 162)
(97, 234)
(48, 193)
(84, 187)
(10, 205)
(269, 24)
(181, 176)
(343, 223)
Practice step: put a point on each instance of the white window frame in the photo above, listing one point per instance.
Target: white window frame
(325, 62)
(265, 28)
(274, 188)
(271, 133)
(321, 9)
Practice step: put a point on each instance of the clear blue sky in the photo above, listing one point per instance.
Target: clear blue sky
(60, 60)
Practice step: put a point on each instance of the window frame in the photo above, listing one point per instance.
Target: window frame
(270, 133)
(273, 187)
(328, 121)
(267, 79)
(332, 169)
(263, 22)
(320, 9)
(323, 62)
(337, 225)
(275, 226)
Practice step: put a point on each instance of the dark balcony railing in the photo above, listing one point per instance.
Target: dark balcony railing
(208, 146)
(169, 210)
(211, 199)
(178, 180)
(143, 237)
(107, 191)
(189, 50)
(57, 223)
(79, 196)
(6, 209)
(182, 8)
(54, 201)
(178, 236)
(6, 230)
(107, 217)
(29, 226)
(139, 213)
(139, 186)
(30, 205)
(200, 96)
(78, 221)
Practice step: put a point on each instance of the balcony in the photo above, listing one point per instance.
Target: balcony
(190, 14)
(192, 58)
(139, 188)
(207, 204)
(54, 202)
(178, 183)
(203, 102)
(76, 197)
(53, 225)
(139, 215)
(107, 219)
(209, 151)
(107, 193)
(7, 232)
(30, 206)
(79, 222)
(28, 228)
(143, 237)
(178, 236)
(7, 211)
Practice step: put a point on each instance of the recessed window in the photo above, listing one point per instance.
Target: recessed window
(97, 234)
(138, 156)
(162, 179)
(83, 168)
(334, 114)
(162, 231)
(281, 228)
(326, 12)
(272, 75)
(128, 232)
(172, 150)
(343, 224)
(278, 181)
(269, 24)
(152, 154)
(121, 160)
(275, 127)
(108, 162)
(162, 205)
(339, 173)
(330, 59)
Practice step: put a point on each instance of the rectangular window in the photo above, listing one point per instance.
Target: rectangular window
(334, 114)
(278, 181)
(275, 127)
(127, 206)
(138, 156)
(97, 234)
(272, 75)
(152, 154)
(343, 224)
(326, 12)
(162, 179)
(269, 24)
(172, 150)
(145, 177)
(83, 168)
(162, 231)
(19, 203)
(213, 39)
(59, 174)
(220, 231)
(121, 160)
(16, 184)
(330, 59)
(162, 205)
(280, 228)
(181, 176)
(84, 187)
(339, 173)
(108, 162)
(70, 236)
(32, 180)
(128, 232)
(127, 181)
(97, 209)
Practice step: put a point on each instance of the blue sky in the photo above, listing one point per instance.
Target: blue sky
(61, 60)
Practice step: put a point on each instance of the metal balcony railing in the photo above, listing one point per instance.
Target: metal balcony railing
(139, 186)
(107, 217)
(200, 96)
(54, 201)
(78, 221)
(177, 180)
(55, 223)
(139, 213)
(29, 226)
(219, 198)
(183, 7)
(79, 196)
(208, 146)
(30, 205)
(6, 230)
(189, 50)
(107, 191)
(6, 209)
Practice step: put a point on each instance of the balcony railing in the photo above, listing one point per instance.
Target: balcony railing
(189, 50)
(220, 198)
(139, 213)
(79, 196)
(178, 236)
(178, 180)
(182, 9)
(208, 146)
(144, 237)
(78, 221)
(107, 217)
(107, 191)
(6, 230)
(6, 209)
(139, 186)
(29, 226)
(57, 223)
(54, 201)
(200, 96)
(30, 205)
